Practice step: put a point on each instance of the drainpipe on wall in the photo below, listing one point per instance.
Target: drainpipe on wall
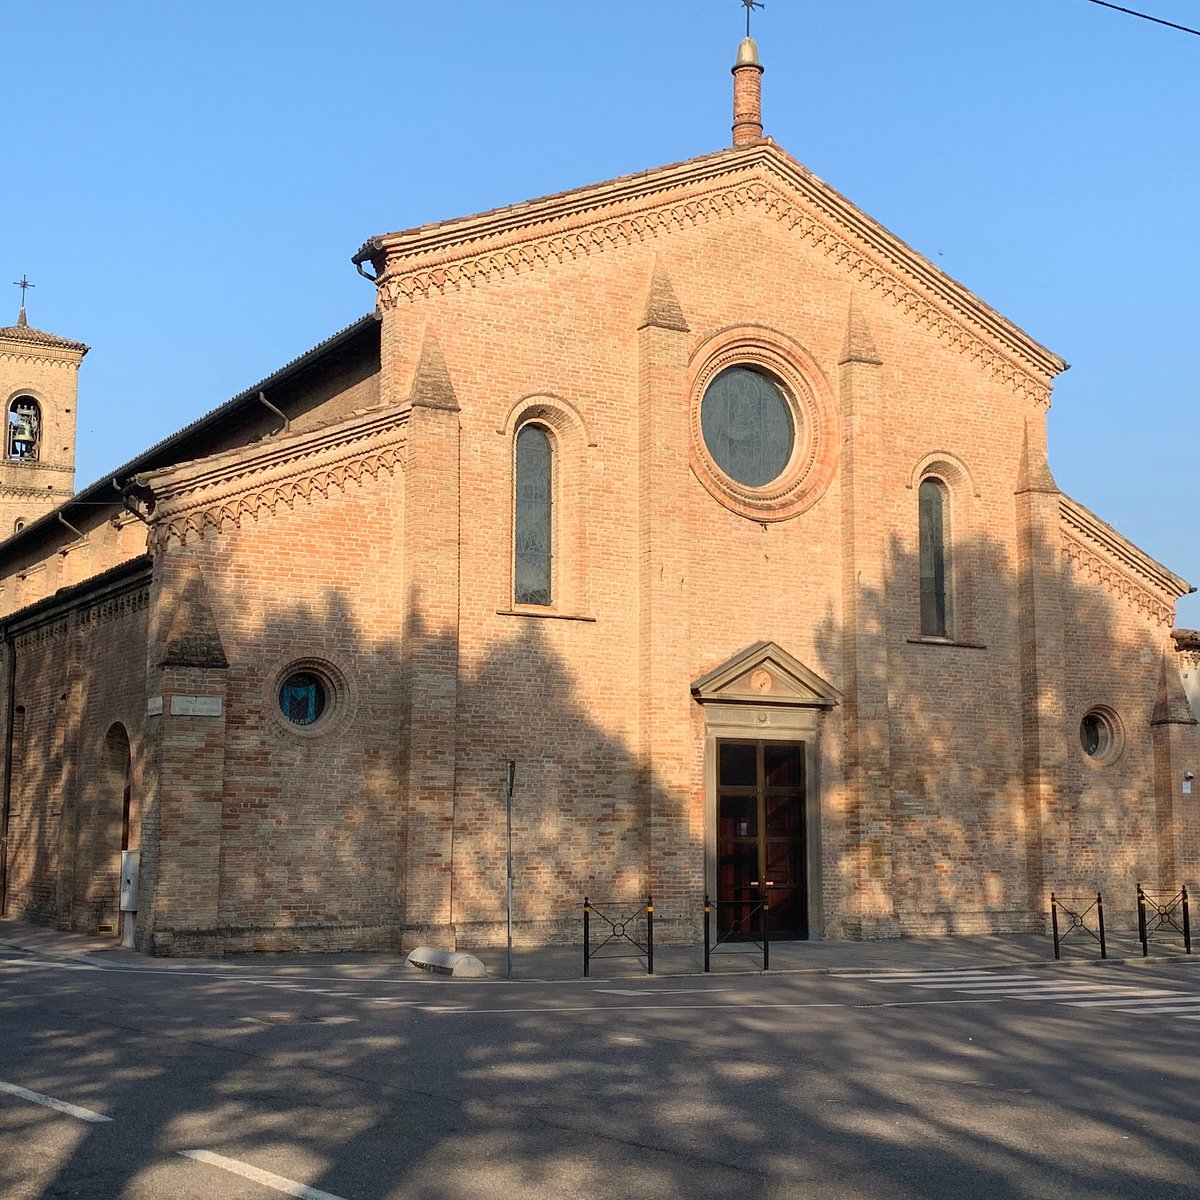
(6, 795)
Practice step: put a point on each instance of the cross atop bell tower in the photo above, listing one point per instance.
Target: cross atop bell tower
(39, 376)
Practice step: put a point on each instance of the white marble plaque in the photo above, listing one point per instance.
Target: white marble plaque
(196, 706)
(154, 706)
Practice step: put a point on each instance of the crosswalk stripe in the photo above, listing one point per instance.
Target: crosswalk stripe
(1134, 995)
(1027, 989)
(1137, 1001)
(1007, 986)
(1164, 1008)
(912, 976)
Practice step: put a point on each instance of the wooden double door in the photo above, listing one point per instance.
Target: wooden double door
(761, 840)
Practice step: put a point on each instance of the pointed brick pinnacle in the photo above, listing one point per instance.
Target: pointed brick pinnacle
(1171, 705)
(859, 345)
(193, 639)
(431, 384)
(1034, 475)
(663, 310)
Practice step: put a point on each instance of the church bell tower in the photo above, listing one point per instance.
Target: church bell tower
(39, 377)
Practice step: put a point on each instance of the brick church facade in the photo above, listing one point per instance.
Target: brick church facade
(698, 496)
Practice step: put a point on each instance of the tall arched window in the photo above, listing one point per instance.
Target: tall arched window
(532, 516)
(24, 429)
(933, 529)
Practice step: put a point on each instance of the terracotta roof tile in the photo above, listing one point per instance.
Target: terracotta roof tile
(24, 332)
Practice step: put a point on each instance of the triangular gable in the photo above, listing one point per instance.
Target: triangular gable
(467, 251)
(766, 674)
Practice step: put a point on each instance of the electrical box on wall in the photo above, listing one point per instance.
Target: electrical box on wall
(131, 861)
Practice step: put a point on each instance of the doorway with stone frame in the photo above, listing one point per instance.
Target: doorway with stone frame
(763, 711)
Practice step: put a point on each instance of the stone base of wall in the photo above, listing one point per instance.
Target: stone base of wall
(491, 935)
(295, 939)
(965, 922)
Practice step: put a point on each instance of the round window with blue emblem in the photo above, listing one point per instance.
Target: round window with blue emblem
(303, 697)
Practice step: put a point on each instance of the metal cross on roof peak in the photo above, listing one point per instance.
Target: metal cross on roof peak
(750, 6)
(24, 284)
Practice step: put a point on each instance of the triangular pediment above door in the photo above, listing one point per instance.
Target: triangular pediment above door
(765, 674)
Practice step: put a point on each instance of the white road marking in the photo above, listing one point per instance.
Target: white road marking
(915, 976)
(996, 981)
(1039, 989)
(661, 991)
(289, 1187)
(1164, 1004)
(72, 1110)
(30, 963)
(1137, 997)
(1118, 997)
(733, 1006)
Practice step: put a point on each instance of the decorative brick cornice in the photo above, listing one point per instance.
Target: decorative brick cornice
(40, 354)
(1096, 549)
(134, 600)
(118, 592)
(251, 480)
(35, 493)
(475, 250)
(51, 631)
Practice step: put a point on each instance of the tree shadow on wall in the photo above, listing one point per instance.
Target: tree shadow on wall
(970, 843)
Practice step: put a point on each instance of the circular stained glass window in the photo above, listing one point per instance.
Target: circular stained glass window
(302, 697)
(747, 425)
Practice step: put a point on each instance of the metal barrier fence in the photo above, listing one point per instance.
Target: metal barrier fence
(1078, 921)
(741, 928)
(1163, 917)
(616, 931)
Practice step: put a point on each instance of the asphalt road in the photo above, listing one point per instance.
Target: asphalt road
(188, 1080)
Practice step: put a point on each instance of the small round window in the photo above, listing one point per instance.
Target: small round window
(303, 697)
(747, 425)
(1100, 735)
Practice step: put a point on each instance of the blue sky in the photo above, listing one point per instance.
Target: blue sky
(185, 182)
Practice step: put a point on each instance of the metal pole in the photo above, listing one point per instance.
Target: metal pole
(766, 919)
(1187, 924)
(512, 777)
(1142, 922)
(587, 937)
(1100, 913)
(707, 910)
(1054, 924)
(649, 935)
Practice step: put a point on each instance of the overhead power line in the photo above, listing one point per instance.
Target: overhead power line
(1146, 17)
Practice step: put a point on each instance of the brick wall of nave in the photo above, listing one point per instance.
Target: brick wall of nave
(80, 681)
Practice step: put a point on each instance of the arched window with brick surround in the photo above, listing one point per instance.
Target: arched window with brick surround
(933, 523)
(547, 444)
(24, 429)
(533, 517)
